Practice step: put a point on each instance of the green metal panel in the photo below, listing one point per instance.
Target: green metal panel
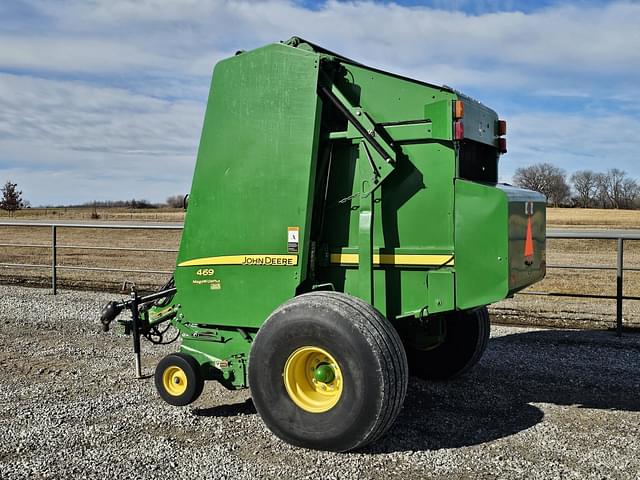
(439, 112)
(491, 229)
(407, 132)
(390, 99)
(440, 284)
(482, 244)
(285, 181)
(253, 179)
(413, 210)
(223, 353)
(413, 214)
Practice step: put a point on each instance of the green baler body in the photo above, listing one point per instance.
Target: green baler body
(280, 187)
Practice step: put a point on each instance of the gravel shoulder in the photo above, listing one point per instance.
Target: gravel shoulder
(541, 404)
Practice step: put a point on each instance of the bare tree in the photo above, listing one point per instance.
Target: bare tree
(630, 192)
(175, 201)
(546, 179)
(611, 186)
(530, 177)
(601, 197)
(11, 198)
(585, 183)
(560, 191)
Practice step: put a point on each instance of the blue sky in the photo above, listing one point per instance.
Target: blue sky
(104, 99)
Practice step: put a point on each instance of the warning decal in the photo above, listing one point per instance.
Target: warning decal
(293, 239)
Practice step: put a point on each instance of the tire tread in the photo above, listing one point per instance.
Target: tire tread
(389, 345)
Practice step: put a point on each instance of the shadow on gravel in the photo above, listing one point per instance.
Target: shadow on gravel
(232, 410)
(586, 369)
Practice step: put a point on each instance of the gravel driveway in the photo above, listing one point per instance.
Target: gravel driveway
(541, 404)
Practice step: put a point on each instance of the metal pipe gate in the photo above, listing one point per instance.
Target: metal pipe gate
(620, 238)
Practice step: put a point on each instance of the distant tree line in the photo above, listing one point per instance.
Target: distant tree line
(584, 188)
(133, 203)
(11, 200)
(175, 201)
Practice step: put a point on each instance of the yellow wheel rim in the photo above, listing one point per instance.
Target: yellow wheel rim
(174, 381)
(313, 379)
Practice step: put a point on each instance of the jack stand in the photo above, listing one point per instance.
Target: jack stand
(135, 330)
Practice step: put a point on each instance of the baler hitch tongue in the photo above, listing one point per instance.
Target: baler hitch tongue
(137, 325)
(109, 313)
(112, 309)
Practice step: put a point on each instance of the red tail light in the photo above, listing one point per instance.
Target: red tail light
(458, 130)
(502, 145)
(502, 127)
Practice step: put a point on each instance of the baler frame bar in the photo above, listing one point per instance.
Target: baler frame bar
(345, 108)
(367, 165)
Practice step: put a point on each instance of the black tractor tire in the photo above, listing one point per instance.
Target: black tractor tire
(179, 379)
(369, 357)
(466, 339)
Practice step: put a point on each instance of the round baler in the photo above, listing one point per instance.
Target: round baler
(345, 228)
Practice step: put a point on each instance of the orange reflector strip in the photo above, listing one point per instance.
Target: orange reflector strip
(458, 109)
(528, 243)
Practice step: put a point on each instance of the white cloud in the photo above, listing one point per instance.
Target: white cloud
(567, 38)
(83, 136)
(571, 142)
(79, 116)
(73, 54)
(112, 92)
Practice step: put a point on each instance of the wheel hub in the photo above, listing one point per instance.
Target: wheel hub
(324, 373)
(174, 380)
(313, 379)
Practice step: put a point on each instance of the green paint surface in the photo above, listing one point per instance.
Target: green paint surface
(275, 155)
(254, 172)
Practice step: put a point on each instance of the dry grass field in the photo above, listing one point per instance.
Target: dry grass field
(162, 214)
(547, 310)
(40, 254)
(562, 311)
(592, 218)
(556, 217)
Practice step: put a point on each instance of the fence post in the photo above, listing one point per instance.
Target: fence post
(619, 286)
(54, 286)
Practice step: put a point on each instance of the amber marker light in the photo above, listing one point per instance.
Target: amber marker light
(458, 109)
